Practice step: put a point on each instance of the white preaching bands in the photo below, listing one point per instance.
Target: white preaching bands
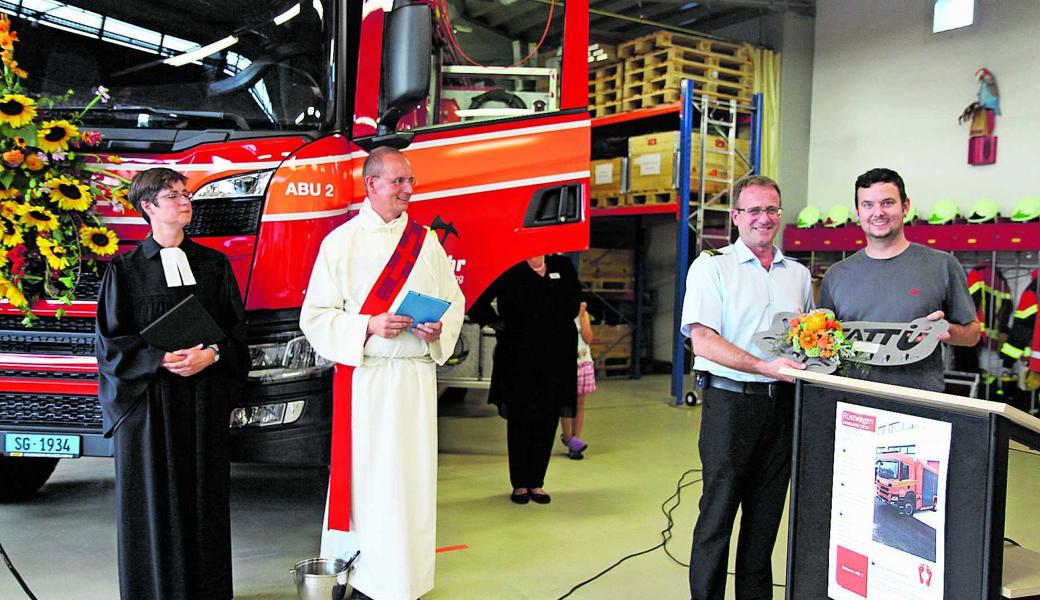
(176, 268)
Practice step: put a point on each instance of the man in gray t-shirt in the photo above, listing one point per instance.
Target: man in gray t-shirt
(893, 280)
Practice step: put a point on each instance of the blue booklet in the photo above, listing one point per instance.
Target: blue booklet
(422, 308)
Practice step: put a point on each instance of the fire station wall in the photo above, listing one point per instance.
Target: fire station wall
(887, 92)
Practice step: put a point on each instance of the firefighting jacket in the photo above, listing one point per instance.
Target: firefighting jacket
(1024, 336)
(992, 297)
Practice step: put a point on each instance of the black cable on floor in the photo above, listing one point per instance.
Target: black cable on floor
(666, 533)
(14, 572)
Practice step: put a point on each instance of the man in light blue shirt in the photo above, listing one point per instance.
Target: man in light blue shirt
(746, 420)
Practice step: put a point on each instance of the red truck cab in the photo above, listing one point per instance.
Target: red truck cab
(907, 483)
(269, 110)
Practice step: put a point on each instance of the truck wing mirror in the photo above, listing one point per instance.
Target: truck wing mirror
(406, 64)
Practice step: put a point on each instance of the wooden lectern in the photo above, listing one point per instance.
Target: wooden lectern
(977, 566)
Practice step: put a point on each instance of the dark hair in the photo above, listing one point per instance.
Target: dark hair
(749, 181)
(146, 186)
(879, 175)
(374, 162)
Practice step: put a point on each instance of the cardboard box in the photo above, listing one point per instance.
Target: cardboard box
(616, 263)
(653, 160)
(609, 176)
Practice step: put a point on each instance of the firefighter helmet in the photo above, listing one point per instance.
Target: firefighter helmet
(837, 216)
(809, 216)
(910, 216)
(1026, 209)
(944, 211)
(984, 209)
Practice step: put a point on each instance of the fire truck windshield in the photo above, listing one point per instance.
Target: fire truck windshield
(887, 468)
(193, 64)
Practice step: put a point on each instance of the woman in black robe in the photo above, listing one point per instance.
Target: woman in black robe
(534, 378)
(168, 413)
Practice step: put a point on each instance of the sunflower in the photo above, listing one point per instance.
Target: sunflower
(100, 240)
(17, 110)
(3, 259)
(40, 218)
(122, 196)
(69, 194)
(56, 135)
(9, 193)
(52, 251)
(10, 233)
(13, 295)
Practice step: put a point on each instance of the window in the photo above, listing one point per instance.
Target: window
(479, 74)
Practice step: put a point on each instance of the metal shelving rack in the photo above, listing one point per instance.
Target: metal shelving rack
(720, 202)
(691, 109)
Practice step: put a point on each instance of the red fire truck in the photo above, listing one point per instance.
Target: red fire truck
(907, 483)
(268, 107)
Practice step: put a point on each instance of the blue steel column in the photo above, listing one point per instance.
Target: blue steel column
(682, 237)
(756, 134)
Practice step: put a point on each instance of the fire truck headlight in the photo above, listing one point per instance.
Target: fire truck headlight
(246, 185)
(265, 415)
(290, 357)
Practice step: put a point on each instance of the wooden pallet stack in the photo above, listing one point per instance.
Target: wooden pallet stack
(606, 83)
(612, 350)
(607, 270)
(655, 64)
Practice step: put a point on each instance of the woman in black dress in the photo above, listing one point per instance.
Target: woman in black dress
(167, 412)
(534, 381)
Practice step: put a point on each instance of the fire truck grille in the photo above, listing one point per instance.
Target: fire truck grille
(42, 342)
(64, 375)
(13, 323)
(49, 409)
(224, 217)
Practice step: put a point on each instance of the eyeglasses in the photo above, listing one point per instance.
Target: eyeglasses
(757, 211)
(398, 181)
(175, 196)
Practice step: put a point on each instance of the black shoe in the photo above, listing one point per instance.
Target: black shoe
(520, 498)
(540, 498)
(359, 595)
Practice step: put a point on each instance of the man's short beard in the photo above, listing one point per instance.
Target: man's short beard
(892, 233)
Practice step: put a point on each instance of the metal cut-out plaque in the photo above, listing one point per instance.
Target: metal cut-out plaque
(876, 343)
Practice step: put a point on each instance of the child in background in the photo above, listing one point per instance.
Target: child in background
(571, 436)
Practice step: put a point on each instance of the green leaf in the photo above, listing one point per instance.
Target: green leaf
(6, 178)
(59, 313)
(27, 132)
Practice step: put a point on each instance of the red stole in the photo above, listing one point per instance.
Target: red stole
(379, 300)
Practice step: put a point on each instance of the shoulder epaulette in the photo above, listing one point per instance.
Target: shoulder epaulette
(711, 252)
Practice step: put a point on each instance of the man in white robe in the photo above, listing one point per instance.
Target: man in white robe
(394, 397)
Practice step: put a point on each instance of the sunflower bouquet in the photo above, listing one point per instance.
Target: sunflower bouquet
(817, 335)
(49, 229)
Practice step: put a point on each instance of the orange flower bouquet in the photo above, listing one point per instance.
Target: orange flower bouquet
(817, 334)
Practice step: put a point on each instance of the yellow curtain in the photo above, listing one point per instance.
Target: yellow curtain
(767, 82)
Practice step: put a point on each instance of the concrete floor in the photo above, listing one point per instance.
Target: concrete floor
(603, 508)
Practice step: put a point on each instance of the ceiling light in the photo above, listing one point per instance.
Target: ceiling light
(201, 53)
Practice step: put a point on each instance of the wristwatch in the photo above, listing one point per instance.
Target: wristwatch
(216, 352)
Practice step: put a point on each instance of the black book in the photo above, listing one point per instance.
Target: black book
(186, 325)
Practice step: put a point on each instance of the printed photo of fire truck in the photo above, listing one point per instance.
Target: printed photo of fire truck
(904, 485)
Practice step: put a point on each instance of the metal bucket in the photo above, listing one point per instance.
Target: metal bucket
(318, 579)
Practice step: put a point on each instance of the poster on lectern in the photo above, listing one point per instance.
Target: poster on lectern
(888, 507)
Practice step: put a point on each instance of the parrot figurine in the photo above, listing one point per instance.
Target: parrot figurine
(988, 96)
